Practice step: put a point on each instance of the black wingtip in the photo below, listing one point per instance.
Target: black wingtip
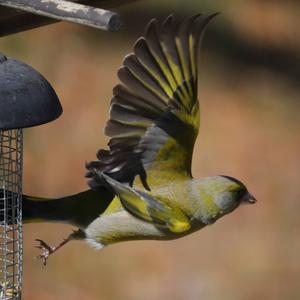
(152, 25)
(168, 21)
(208, 18)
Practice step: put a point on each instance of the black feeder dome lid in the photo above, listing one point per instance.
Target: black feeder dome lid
(26, 97)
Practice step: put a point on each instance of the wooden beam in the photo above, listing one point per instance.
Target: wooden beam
(68, 11)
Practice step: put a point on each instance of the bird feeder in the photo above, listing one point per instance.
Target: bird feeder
(26, 100)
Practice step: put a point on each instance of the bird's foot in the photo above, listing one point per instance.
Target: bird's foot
(47, 250)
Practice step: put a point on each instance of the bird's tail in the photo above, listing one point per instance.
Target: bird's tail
(78, 209)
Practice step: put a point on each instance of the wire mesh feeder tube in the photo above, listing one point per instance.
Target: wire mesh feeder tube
(26, 99)
(11, 239)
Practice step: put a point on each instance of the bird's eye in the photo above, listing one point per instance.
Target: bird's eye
(239, 193)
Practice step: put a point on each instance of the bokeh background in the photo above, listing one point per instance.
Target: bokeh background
(249, 92)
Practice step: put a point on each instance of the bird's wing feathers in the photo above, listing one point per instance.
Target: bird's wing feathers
(154, 114)
(145, 207)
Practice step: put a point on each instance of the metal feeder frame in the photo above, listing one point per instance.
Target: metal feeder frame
(11, 241)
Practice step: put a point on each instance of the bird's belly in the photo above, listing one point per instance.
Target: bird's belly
(121, 226)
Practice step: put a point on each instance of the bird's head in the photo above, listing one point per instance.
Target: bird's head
(220, 195)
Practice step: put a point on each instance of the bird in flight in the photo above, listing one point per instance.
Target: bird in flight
(142, 186)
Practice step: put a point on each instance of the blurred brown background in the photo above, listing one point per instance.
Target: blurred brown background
(249, 92)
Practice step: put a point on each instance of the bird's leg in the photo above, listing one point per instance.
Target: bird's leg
(48, 250)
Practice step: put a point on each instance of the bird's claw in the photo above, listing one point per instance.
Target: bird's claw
(46, 251)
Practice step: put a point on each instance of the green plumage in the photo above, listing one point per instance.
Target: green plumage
(142, 185)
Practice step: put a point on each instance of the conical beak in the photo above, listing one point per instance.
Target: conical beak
(248, 198)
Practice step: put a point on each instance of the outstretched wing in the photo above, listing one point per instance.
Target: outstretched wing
(154, 114)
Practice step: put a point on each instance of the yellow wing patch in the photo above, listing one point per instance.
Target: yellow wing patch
(147, 208)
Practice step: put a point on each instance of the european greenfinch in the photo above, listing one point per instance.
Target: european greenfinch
(142, 186)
